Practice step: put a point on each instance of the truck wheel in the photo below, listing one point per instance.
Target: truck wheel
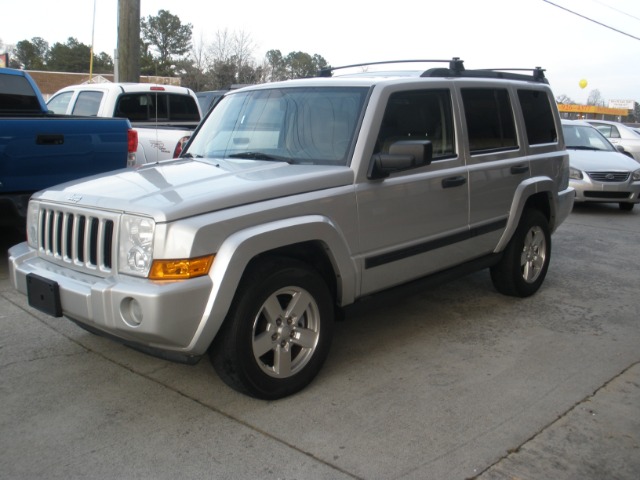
(277, 333)
(525, 261)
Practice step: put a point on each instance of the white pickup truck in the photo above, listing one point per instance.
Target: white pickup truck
(165, 116)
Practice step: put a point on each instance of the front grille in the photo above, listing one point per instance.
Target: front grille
(609, 176)
(79, 239)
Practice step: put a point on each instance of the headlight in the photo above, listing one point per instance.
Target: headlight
(135, 245)
(635, 176)
(575, 174)
(32, 224)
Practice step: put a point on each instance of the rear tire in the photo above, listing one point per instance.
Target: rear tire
(278, 331)
(525, 261)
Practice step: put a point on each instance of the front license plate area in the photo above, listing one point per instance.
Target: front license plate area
(44, 295)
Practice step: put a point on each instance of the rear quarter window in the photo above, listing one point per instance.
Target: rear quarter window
(147, 107)
(538, 117)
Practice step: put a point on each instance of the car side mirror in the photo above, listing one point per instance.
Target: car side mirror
(403, 155)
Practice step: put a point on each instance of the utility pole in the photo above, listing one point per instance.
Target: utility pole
(128, 55)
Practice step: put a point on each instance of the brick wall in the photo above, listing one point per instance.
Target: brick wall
(50, 82)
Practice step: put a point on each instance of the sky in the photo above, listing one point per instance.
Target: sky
(485, 34)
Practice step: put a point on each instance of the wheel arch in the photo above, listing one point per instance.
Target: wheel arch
(535, 193)
(313, 239)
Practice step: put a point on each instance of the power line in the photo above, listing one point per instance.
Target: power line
(591, 20)
(615, 9)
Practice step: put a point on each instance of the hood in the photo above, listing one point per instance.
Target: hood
(601, 161)
(185, 187)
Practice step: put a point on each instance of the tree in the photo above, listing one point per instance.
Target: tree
(102, 63)
(75, 56)
(230, 60)
(72, 56)
(564, 99)
(32, 54)
(168, 37)
(294, 65)
(193, 69)
(276, 67)
(595, 98)
(303, 65)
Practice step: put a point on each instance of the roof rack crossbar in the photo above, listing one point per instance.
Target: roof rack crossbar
(505, 73)
(538, 72)
(455, 64)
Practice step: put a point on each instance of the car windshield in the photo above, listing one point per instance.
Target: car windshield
(584, 137)
(310, 125)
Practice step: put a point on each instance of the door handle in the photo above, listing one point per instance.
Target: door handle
(519, 169)
(49, 139)
(453, 181)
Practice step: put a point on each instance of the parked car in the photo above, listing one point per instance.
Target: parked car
(598, 171)
(622, 136)
(295, 199)
(39, 149)
(208, 99)
(165, 116)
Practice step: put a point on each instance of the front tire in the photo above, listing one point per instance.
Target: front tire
(525, 261)
(625, 206)
(278, 331)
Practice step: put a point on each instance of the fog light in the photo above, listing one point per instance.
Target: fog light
(131, 312)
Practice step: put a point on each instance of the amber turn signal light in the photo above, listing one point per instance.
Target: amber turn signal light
(181, 269)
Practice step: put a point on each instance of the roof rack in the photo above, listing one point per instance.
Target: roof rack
(455, 64)
(455, 69)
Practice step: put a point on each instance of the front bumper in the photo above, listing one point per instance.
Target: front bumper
(160, 318)
(601, 192)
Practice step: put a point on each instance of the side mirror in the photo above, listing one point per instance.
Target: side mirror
(403, 155)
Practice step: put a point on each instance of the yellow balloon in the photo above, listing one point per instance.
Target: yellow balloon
(582, 83)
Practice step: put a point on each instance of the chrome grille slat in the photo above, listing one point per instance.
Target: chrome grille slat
(78, 238)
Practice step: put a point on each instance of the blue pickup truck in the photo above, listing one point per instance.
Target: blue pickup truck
(39, 149)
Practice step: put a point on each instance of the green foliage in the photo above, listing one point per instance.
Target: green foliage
(294, 65)
(31, 54)
(71, 56)
(168, 38)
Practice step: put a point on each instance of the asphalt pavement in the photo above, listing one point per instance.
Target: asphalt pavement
(447, 382)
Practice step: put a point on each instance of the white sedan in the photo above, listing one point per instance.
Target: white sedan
(599, 172)
(623, 137)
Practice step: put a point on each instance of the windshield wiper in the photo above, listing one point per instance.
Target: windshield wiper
(259, 156)
(190, 155)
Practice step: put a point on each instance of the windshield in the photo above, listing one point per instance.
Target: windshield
(298, 125)
(585, 137)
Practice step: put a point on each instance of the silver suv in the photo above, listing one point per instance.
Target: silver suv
(295, 199)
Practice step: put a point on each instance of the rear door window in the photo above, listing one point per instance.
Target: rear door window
(490, 122)
(87, 104)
